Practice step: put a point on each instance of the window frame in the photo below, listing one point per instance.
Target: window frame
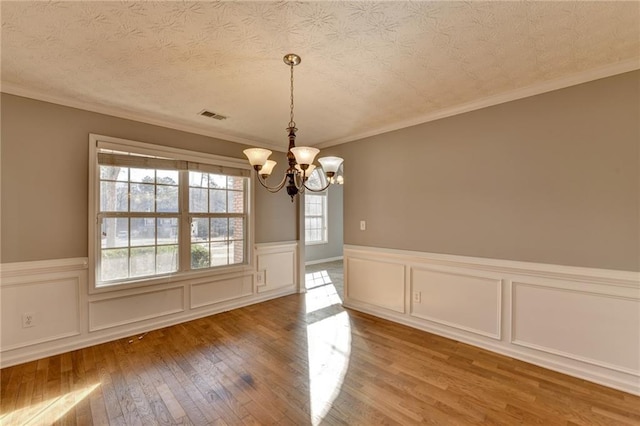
(101, 142)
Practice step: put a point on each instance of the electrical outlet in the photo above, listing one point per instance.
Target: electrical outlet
(28, 319)
(260, 278)
(417, 296)
(363, 225)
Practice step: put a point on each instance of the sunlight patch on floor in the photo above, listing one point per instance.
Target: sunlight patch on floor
(47, 412)
(328, 343)
(321, 297)
(316, 279)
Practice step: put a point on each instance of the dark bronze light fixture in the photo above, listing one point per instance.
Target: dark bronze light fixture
(300, 158)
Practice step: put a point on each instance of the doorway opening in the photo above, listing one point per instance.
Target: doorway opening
(323, 234)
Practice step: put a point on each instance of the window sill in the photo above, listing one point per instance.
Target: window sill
(171, 278)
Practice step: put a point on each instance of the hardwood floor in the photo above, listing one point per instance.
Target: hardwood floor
(300, 359)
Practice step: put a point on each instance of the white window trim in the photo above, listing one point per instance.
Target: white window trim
(325, 239)
(108, 142)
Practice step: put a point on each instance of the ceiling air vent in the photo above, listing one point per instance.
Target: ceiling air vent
(210, 114)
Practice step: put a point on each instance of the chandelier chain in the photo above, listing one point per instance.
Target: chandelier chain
(292, 123)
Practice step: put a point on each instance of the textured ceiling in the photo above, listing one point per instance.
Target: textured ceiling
(366, 66)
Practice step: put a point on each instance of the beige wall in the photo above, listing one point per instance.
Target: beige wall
(277, 216)
(551, 178)
(44, 177)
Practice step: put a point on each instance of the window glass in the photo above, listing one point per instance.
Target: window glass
(222, 205)
(140, 212)
(315, 211)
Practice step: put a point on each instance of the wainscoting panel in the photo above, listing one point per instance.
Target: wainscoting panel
(123, 310)
(468, 302)
(579, 321)
(206, 291)
(278, 266)
(51, 299)
(594, 328)
(67, 317)
(376, 283)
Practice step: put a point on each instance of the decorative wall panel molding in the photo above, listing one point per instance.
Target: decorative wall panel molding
(580, 321)
(123, 310)
(593, 327)
(207, 291)
(278, 265)
(470, 302)
(378, 283)
(51, 299)
(68, 318)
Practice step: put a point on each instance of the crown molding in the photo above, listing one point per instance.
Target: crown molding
(172, 123)
(156, 120)
(525, 92)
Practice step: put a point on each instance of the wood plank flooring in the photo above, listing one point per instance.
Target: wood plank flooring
(299, 360)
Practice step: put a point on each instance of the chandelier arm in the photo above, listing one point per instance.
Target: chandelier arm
(318, 190)
(299, 182)
(272, 189)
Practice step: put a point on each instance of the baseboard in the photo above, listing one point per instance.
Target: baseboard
(330, 259)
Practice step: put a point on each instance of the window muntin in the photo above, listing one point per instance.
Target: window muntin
(141, 203)
(133, 247)
(124, 189)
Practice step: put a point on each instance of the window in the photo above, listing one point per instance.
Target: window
(217, 205)
(158, 213)
(315, 211)
(138, 218)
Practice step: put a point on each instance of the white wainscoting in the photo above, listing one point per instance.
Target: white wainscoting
(606, 324)
(133, 308)
(377, 283)
(463, 299)
(278, 264)
(209, 291)
(52, 295)
(580, 321)
(67, 317)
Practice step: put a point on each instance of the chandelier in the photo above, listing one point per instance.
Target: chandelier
(300, 158)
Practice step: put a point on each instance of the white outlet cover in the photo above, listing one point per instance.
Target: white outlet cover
(28, 319)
